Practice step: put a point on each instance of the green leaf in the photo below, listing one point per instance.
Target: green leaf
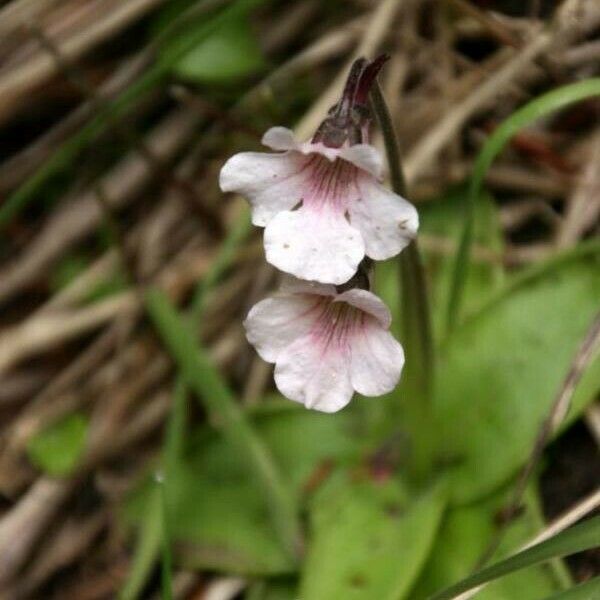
(228, 54)
(537, 108)
(166, 557)
(172, 453)
(441, 222)
(499, 373)
(147, 547)
(590, 590)
(576, 539)
(369, 539)
(471, 529)
(278, 589)
(221, 521)
(57, 449)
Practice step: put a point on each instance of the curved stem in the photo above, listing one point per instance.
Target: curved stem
(416, 321)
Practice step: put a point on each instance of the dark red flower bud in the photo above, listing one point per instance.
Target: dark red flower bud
(348, 120)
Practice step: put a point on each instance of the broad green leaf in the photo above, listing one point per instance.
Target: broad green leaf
(590, 590)
(228, 54)
(533, 110)
(441, 224)
(439, 229)
(220, 518)
(368, 539)
(57, 449)
(580, 537)
(470, 529)
(498, 375)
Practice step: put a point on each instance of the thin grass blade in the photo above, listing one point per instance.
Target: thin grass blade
(202, 377)
(580, 537)
(537, 108)
(590, 590)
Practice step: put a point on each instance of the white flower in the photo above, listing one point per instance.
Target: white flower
(326, 345)
(323, 208)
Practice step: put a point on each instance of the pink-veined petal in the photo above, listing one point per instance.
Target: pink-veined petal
(280, 138)
(271, 182)
(369, 303)
(314, 245)
(276, 322)
(376, 360)
(386, 221)
(318, 379)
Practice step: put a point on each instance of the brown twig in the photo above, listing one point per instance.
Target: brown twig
(73, 221)
(495, 27)
(18, 81)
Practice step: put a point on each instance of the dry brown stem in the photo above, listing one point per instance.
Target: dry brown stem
(17, 81)
(78, 217)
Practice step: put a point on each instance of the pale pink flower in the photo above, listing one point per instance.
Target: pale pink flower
(324, 208)
(326, 345)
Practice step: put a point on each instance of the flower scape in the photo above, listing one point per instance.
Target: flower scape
(326, 216)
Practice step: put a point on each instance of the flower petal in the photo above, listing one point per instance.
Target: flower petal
(280, 138)
(315, 245)
(274, 323)
(365, 157)
(270, 182)
(319, 148)
(376, 360)
(369, 303)
(319, 380)
(386, 221)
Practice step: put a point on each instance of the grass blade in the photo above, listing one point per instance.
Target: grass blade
(590, 590)
(172, 451)
(166, 562)
(580, 537)
(175, 434)
(201, 376)
(539, 107)
(145, 552)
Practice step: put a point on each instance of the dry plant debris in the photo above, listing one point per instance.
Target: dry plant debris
(117, 200)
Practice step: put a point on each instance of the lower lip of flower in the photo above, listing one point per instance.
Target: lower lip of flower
(329, 182)
(336, 325)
